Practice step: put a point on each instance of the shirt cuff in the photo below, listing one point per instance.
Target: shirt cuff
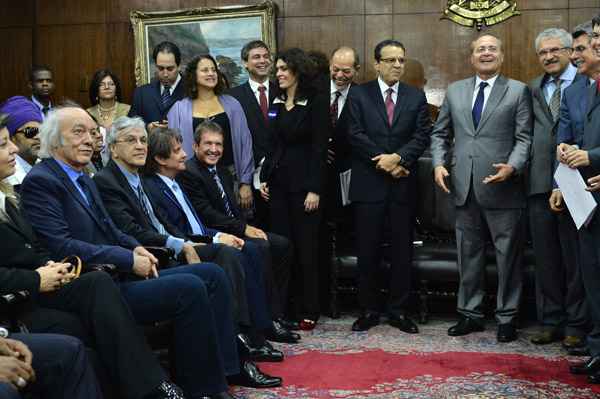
(216, 238)
(176, 244)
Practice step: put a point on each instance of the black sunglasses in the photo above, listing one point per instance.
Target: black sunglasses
(29, 132)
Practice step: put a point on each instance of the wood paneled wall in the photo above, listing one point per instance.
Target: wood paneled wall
(78, 37)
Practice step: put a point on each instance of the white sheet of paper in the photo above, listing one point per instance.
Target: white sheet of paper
(345, 186)
(581, 203)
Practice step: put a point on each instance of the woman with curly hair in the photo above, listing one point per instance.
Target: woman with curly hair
(105, 92)
(293, 173)
(204, 85)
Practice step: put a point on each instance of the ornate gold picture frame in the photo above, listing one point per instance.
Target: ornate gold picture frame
(222, 32)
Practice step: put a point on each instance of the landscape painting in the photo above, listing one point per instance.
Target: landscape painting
(222, 32)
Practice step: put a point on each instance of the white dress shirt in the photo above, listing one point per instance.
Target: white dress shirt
(254, 87)
(341, 99)
(486, 91)
(384, 88)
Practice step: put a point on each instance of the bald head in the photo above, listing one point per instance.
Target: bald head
(343, 66)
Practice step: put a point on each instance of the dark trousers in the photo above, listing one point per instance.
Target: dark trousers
(61, 368)
(289, 219)
(590, 271)
(197, 299)
(252, 302)
(92, 309)
(276, 252)
(560, 297)
(370, 219)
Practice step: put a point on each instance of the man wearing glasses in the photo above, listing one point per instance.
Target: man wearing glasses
(388, 131)
(24, 119)
(485, 121)
(560, 299)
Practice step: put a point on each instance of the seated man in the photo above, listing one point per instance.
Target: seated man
(208, 187)
(65, 210)
(126, 201)
(24, 119)
(51, 366)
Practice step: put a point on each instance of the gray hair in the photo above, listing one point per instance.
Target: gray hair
(124, 123)
(50, 137)
(554, 33)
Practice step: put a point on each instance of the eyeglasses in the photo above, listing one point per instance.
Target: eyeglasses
(483, 49)
(552, 51)
(392, 60)
(29, 132)
(107, 85)
(579, 49)
(133, 140)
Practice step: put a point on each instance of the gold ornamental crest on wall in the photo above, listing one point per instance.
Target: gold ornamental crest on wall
(480, 12)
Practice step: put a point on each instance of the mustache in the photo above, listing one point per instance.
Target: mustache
(550, 62)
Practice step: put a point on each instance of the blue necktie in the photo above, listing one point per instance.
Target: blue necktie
(194, 222)
(228, 210)
(478, 106)
(166, 96)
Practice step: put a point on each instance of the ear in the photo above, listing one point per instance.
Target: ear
(159, 160)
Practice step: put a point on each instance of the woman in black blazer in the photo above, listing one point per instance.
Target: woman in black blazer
(89, 307)
(293, 172)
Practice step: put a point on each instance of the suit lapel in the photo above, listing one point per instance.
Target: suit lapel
(254, 104)
(17, 223)
(167, 191)
(538, 95)
(400, 103)
(498, 92)
(593, 99)
(375, 94)
(156, 95)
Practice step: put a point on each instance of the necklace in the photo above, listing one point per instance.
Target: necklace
(106, 114)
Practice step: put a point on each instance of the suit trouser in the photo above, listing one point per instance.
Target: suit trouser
(505, 228)
(590, 271)
(252, 303)
(370, 219)
(197, 299)
(560, 296)
(289, 219)
(92, 309)
(61, 367)
(276, 253)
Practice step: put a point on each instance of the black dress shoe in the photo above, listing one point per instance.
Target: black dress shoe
(365, 322)
(263, 353)
(403, 323)
(278, 333)
(573, 341)
(465, 325)
(592, 366)
(288, 324)
(506, 332)
(251, 376)
(223, 395)
(583, 351)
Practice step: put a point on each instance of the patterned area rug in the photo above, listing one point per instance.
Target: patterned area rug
(384, 363)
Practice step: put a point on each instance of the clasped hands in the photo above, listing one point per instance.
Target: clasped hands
(390, 163)
(15, 363)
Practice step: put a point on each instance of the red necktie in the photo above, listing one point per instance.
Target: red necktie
(333, 109)
(262, 99)
(597, 86)
(389, 105)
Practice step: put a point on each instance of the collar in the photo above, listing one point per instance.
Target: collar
(26, 166)
(490, 81)
(72, 173)
(254, 85)
(278, 100)
(168, 181)
(39, 104)
(334, 88)
(162, 87)
(568, 75)
(132, 178)
(384, 86)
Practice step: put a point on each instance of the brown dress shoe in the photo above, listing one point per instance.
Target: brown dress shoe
(545, 337)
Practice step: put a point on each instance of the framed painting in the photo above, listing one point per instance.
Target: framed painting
(222, 32)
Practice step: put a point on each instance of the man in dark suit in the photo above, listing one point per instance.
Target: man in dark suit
(66, 212)
(152, 101)
(255, 96)
(389, 130)
(133, 211)
(485, 121)
(202, 180)
(41, 83)
(560, 298)
(587, 160)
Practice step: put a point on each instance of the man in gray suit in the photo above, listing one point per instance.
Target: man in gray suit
(560, 299)
(488, 118)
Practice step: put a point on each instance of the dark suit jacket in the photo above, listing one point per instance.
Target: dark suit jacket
(299, 148)
(339, 135)
(370, 135)
(591, 138)
(21, 255)
(543, 149)
(123, 206)
(573, 112)
(147, 102)
(165, 202)
(261, 141)
(204, 194)
(65, 223)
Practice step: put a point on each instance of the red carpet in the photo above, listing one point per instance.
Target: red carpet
(332, 362)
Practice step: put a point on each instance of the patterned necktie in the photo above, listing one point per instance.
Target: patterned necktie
(166, 96)
(333, 109)
(146, 207)
(89, 198)
(555, 101)
(262, 99)
(478, 106)
(389, 105)
(215, 176)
